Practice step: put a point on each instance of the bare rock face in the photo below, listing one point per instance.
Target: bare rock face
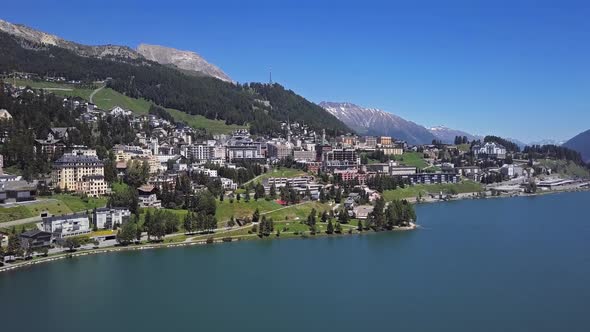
(372, 121)
(184, 60)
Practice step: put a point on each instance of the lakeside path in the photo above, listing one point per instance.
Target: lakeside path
(216, 238)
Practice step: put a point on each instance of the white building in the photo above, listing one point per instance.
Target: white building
(490, 149)
(105, 218)
(68, 225)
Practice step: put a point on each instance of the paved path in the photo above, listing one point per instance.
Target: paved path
(94, 92)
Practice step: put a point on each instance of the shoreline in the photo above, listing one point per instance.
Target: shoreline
(150, 246)
(239, 238)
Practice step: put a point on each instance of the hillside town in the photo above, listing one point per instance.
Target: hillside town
(169, 165)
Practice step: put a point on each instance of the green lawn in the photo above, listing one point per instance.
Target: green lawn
(415, 159)
(33, 210)
(298, 212)
(107, 98)
(55, 205)
(424, 189)
(77, 204)
(242, 209)
(201, 122)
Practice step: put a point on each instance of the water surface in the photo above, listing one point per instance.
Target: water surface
(520, 264)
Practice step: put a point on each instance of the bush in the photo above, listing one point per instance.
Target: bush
(209, 240)
(227, 239)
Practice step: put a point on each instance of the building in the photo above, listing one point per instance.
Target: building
(432, 178)
(108, 218)
(67, 225)
(402, 170)
(279, 150)
(347, 155)
(118, 111)
(350, 175)
(471, 172)
(79, 173)
(304, 155)
(384, 140)
(147, 197)
(489, 150)
(92, 185)
(392, 150)
(35, 239)
(228, 184)
(369, 141)
(49, 147)
(198, 152)
(346, 140)
(17, 191)
(362, 212)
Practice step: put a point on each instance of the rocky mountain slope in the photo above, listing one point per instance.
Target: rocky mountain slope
(185, 60)
(372, 121)
(580, 143)
(36, 37)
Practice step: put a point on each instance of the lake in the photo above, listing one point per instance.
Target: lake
(513, 264)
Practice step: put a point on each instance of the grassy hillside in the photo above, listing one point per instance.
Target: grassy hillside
(107, 98)
(566, 168)
(201, 122)
(415, 159)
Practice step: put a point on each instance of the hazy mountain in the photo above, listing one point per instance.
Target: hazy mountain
(372, 121)
(36, 37)
(447, 135)
(580, 143)
(547, 142)
(185, 60)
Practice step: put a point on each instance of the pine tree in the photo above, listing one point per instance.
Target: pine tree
(330, 227)
(338, 228)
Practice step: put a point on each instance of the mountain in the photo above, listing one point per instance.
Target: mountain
(580, 143)
(547, 142)
(122, 69)
(372, 121)
(185, 60)
(35, 38)
(447, 135)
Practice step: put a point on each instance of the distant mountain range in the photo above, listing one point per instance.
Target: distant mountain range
(580, 143)
(447, 135)
(372, 121)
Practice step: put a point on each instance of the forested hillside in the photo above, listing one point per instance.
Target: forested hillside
(167, 87)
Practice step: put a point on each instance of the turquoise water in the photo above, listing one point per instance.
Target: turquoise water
(520, 264)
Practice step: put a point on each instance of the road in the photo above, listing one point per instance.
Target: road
(94, 92)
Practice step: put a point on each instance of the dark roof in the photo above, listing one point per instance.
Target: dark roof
(65, 217)
(34, 233)
(68, 160)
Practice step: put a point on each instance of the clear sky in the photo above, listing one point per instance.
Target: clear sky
(517, 69)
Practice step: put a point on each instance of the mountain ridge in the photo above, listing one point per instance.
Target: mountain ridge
(186, 60)
(373, 121)
(580, 143)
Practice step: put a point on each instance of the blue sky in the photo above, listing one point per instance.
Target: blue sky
(518, 69)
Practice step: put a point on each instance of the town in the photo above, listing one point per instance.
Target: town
(119, 178)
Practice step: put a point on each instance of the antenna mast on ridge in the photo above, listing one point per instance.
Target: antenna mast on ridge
(270, 76)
